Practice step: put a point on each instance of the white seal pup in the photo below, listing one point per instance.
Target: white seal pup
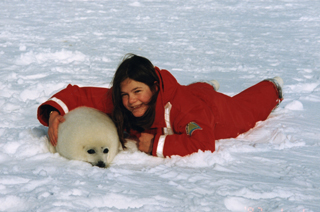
(88, 135)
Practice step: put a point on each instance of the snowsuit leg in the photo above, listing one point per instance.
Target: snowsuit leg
(241, 112)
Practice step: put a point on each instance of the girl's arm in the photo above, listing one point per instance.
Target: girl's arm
(193, 131)
(74, 96)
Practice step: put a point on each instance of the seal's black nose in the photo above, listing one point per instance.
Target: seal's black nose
(101, 164)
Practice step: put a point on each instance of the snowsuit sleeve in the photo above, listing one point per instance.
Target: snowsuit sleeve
(192, 129)
(74, 96)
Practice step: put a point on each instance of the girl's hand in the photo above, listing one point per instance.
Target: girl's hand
(145, 143)
(54, 120)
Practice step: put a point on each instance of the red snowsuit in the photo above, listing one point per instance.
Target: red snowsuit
(188, 118)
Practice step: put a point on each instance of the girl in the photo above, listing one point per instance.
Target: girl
(167, 118)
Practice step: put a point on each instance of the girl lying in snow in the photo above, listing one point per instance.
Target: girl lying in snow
(166, 118)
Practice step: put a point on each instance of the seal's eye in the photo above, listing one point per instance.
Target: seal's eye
(106, 150)
(91, 151)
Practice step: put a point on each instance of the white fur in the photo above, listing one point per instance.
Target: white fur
(87, 130)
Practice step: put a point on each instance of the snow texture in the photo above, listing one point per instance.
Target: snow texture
(45, 45)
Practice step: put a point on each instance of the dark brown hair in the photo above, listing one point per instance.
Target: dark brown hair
(142, 70)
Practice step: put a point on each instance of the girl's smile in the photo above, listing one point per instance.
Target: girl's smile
(135, 96)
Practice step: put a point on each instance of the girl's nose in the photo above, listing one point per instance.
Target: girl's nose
(131, 99)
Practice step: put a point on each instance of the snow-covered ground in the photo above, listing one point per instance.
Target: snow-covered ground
(45, 45)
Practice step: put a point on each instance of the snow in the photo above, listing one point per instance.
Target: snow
(45, 45)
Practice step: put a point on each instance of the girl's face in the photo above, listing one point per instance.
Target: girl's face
(135, 96)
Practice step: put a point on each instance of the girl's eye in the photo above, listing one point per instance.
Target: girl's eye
(137, 91)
